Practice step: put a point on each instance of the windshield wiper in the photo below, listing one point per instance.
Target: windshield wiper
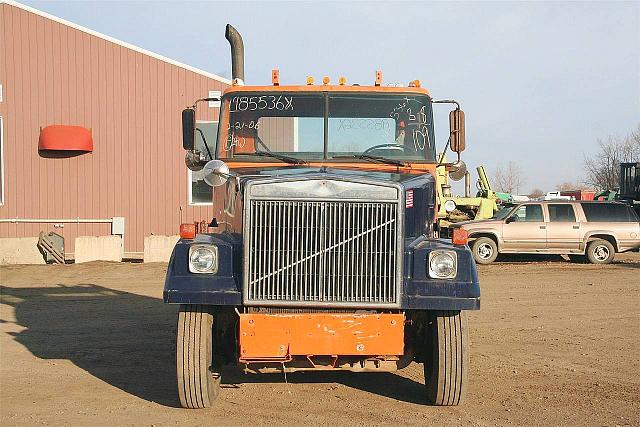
(374, 159)
(282, 157)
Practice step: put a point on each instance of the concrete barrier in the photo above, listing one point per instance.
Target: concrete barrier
(98, 248)
(159, 248)
(20, 250)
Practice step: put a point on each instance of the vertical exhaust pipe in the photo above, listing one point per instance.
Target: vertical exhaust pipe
(237, 54)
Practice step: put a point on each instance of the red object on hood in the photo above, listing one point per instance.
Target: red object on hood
(65, 138)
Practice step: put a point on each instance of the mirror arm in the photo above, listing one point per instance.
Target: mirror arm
(447, 101)
(206, 145)
(204, 100)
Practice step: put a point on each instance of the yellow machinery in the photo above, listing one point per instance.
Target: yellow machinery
(454, 208)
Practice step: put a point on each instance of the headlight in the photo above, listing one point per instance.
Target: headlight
(203, 259)
(443, 264)
(450, 206)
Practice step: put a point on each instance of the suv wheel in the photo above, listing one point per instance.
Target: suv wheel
(485, 250)
(600, 252)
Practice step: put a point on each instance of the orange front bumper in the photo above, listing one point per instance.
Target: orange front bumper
(277, 337)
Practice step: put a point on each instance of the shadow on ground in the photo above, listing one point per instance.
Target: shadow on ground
(128, 341)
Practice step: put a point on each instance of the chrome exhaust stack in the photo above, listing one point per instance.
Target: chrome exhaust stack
(237, 54)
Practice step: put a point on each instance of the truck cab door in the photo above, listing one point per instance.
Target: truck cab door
(563, 229)
(525, 230)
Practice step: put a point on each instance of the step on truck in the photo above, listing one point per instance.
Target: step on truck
(323, 253)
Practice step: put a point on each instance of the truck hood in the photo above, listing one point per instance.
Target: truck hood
(419, 190)
(304, 172)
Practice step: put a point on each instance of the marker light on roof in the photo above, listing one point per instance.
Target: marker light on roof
(325, 80)
(342, 81)
(309, 80)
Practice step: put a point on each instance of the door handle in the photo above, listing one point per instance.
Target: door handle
(576, 227)
(543, 227)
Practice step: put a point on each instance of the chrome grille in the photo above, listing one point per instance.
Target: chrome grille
(322, 252)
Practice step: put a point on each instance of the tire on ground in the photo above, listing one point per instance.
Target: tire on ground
(484, 250)
(446, 369)
(600, 251)
(198, 386)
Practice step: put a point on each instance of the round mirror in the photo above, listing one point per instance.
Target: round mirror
(216, 173)
(458, 170)
(193, 160)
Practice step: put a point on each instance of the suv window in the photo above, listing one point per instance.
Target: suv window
(608, 212)
(528, 213)
(561, 213)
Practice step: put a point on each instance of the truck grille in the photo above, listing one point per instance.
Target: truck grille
(329, 253)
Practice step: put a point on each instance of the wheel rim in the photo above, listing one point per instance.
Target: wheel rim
(601, 252)
(485, 251)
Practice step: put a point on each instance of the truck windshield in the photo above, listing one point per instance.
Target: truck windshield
(323, 126)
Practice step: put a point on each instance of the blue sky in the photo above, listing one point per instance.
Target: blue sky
(540, 82)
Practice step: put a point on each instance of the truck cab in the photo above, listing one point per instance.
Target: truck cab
(324, 251)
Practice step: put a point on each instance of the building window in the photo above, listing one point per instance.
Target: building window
(1, 161)
(200, 193)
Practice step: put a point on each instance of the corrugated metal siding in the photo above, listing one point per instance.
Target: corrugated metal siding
(55, 74)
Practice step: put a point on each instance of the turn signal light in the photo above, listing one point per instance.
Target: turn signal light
(460, 236)
(188, 231)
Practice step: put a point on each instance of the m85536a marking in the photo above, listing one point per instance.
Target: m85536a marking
(325, 253)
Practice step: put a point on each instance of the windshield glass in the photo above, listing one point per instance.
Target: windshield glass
(318, 126)
(502, 213)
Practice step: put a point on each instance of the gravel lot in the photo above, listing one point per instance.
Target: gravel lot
(555, 343)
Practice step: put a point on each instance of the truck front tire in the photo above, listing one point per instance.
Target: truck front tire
(447, 364)
(198, 385)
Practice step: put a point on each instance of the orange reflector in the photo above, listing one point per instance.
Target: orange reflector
(187, 231)
(460, 236)
(378, 78)
(309, 80)
(275, 77)
(342, 81)
(325, 80)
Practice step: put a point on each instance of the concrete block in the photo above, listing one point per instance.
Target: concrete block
(20, 250)
(98, 248)
(159, 248)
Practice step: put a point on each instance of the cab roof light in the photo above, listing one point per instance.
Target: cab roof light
(309, 80)
(342, 80)
(378, 78)
(460, 236)
(414, 83)
(325, 80)
(188, 231)
(275, 77)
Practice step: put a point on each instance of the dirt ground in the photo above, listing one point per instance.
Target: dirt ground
(555, 343)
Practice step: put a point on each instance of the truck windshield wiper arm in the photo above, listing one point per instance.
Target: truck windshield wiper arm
(371, 158)
(282, 157)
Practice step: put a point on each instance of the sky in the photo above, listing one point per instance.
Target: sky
(540, 82)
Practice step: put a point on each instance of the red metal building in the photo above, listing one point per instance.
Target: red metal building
(53, 72)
